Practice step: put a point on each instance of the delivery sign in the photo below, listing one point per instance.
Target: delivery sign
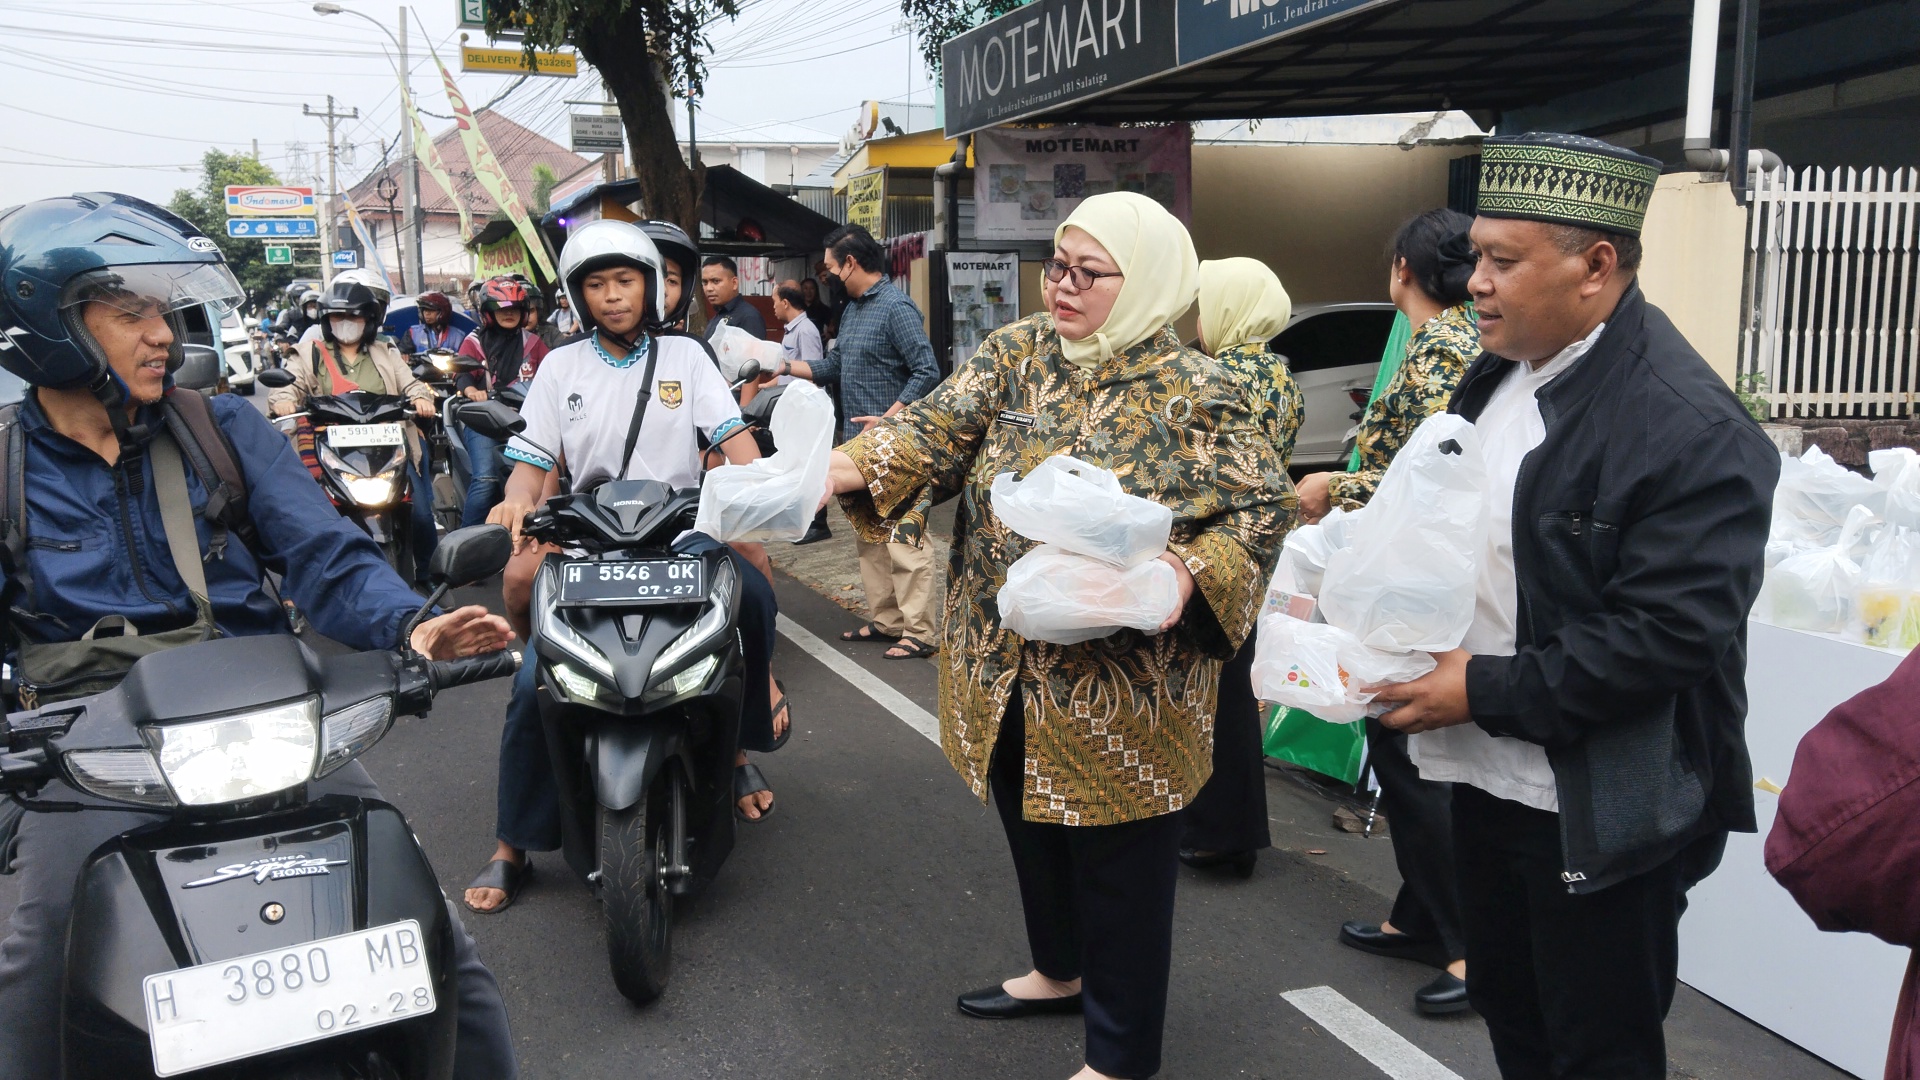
(249, 201)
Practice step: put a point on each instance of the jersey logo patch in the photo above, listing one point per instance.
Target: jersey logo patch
(671, 395)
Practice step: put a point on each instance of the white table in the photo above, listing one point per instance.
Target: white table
(1744, 942)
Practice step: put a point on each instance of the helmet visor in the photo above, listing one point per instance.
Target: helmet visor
(156, 288)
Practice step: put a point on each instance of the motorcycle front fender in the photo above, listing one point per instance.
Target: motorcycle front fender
(626, 758)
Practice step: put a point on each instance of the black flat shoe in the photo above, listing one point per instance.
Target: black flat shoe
(1241, 861)
(1369, 938)
(994, 1003)
(1445, 994)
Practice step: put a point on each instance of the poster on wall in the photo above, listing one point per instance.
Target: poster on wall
(866, 197)
(1027, 181)
(983, 289)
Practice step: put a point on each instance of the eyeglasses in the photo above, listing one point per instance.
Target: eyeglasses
(1083, 278)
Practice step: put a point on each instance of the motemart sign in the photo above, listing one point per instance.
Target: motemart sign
(1056, 52)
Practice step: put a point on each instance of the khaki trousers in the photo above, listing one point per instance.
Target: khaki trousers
(899, 583)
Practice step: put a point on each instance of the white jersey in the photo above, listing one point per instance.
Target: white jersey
(580, 405)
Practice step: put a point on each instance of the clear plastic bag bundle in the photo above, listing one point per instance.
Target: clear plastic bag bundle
(1080, 507)
(1811, 502)
(1308, 547)
(1897, 472)
(1322, 669)
(776, 497)
(1407, 580)
(1815, 589)
(1886, 601)
(1057, 596)
(733, 347)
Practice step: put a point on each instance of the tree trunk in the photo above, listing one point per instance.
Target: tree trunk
(668, 189)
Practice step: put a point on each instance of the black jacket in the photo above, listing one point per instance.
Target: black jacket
(1639, 532)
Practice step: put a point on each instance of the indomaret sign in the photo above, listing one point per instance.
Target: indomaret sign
(1053, 51)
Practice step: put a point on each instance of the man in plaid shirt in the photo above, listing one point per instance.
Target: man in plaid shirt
(883, 362)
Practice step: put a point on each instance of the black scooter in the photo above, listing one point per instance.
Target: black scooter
(254, 932)
(641, 677)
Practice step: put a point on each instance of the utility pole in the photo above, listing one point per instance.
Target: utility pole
(333, 181)
(413, 272)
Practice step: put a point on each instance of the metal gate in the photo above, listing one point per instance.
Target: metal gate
(1833, 292)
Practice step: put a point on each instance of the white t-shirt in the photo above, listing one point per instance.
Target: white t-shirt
(580, 406)
(1509, 429)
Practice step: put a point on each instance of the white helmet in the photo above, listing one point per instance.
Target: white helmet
(600, 244)
(361, 275)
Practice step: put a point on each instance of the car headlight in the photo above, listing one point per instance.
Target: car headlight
(372, 491)
(555, 631)
(710, 623)
(127, 776)
(347, 733)
(209, 762)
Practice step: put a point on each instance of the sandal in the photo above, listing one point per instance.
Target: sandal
(916, 650)
(869, 632)
(749, 780)
(503, 875)
(777, 707)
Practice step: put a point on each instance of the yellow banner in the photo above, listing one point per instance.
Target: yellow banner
(486, 169)
(562, 65)
(509, 256)
(866, 197)
(429, 158)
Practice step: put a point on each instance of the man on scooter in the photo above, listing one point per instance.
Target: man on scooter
(93, 290)
(348, 357)
(435, 330)
(582, 407)
(509, 353)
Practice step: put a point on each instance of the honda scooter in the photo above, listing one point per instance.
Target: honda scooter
(253, 931)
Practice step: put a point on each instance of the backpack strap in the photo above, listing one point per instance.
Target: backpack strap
(13, 501)
(210, 455)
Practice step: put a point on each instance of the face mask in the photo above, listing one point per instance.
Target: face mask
(347, 331)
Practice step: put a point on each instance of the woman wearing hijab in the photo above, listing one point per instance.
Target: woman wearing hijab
(1242, 306)
(509, 352)
(1088, 749)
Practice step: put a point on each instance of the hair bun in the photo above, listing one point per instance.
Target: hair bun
(1457, 250)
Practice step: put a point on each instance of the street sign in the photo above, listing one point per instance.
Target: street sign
(250, 228)
(473, 16)
(597, 134)
(279, 255)
(346, 260)
(249, 201)
(494, 61)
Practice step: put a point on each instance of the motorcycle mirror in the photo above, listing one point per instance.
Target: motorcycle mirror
(275, 378)
(472, 554)
(200, 370)
(492, 419)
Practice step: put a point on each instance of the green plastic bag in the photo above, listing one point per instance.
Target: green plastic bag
(1335, 750)
(1390, 360)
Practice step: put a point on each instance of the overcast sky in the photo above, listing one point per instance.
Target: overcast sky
(125, 96)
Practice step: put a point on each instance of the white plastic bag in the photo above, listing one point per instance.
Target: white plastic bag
(1322, 669)
(1814, 590)
(776, 497)
(1811, 501)
(1407, 581)
(1897, 472)
(1886, 600)
(734, 347)
(1308, 547)
(1082, 508)
(1056, 596)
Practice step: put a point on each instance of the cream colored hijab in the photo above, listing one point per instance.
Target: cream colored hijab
(1241, 303)
(1153, 250)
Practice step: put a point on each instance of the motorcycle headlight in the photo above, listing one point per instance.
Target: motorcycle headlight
(126, 776)
(710, 623)
(578, 685)
(555, 631)
(209, 762)
(370, 491)
(693, 678)
(347, 733)
(443, 362)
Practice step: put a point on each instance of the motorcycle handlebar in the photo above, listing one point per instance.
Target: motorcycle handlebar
(447, 674)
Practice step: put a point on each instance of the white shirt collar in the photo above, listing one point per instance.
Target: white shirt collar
(1565, 358)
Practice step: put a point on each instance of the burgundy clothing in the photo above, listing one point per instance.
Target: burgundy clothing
(1845, 843)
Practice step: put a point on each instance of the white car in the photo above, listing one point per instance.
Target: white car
(1334, 352)
(236, 341)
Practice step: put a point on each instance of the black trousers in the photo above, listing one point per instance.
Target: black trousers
(1570, 985)
(1230, 813)
(1099, 908)
(1420, 825)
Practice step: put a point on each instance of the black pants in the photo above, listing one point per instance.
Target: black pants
(1570, 985)
(1230, 813)
(1099, 907)
(1420, 823)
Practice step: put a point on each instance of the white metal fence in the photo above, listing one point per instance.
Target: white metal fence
(1833, 292)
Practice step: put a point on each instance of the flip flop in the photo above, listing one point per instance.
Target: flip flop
(503, 875)
(870, 632)
(916, 650)
(749, 780)
(777, 706)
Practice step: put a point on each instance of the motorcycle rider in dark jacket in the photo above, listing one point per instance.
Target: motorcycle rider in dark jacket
(95, 332)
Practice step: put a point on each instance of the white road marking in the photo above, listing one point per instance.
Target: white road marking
(1368, 1037)
(866, 681)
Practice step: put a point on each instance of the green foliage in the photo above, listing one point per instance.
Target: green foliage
(206, 207)
(673, 31)
(544, 181)
(936, 21)
(1751, 389)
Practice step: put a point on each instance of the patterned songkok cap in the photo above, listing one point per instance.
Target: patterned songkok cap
(1566, 180)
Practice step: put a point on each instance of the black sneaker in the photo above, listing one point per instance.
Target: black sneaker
(816, 532)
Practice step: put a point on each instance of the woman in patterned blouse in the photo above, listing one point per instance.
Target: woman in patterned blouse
(1431, 264)
(1088, 749)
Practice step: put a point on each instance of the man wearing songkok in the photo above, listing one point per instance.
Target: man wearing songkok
(1592, 721)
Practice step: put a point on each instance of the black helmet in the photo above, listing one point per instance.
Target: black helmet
(676, 247)
(352, 298)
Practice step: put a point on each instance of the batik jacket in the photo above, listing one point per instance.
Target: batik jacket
(1120, 728)
(1437, 355)
(1275, 394)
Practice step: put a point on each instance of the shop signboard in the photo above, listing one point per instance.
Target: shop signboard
(866, 201)
(244, 228)
(983, 291)
(279, 255)
(514, 61)
(248, 200)
(1027, 181)
(1209, 28)
(1051, 52)
(596, 133)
